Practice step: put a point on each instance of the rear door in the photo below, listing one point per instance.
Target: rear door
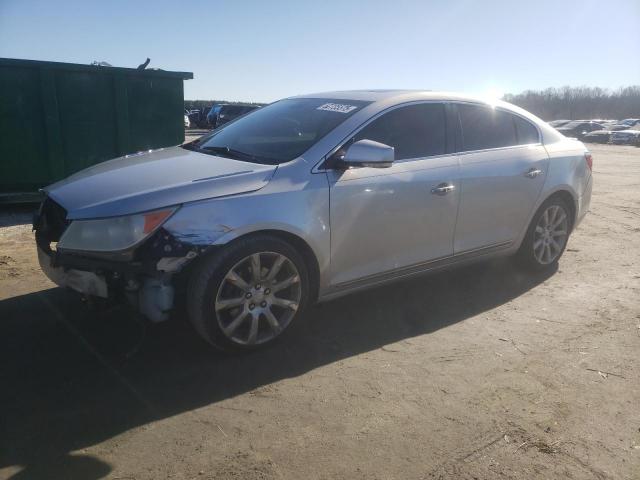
(503, 167)
(384, 220)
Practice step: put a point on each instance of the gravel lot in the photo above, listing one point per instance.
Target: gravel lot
(478, 373)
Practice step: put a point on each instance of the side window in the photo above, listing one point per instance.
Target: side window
(483, 127)
(526, 132)
(414, 131)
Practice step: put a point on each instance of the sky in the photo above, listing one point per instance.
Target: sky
(264, 50)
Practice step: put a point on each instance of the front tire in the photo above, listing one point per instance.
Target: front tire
(246, 295)
(547, 236)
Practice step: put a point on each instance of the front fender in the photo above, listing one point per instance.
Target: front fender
(300, 209)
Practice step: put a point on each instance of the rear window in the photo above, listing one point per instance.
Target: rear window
(484, 127)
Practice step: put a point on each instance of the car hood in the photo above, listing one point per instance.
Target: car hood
(155, 179)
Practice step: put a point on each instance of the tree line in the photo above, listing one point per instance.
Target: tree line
(570, 103)
(574, 103)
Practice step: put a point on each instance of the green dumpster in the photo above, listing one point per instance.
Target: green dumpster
(58, 118)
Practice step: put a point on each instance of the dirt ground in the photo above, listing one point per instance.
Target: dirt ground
(478, 373)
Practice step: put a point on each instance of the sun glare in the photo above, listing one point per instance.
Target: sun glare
(494, 93)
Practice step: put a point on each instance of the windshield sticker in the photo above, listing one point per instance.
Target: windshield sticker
(337, 107)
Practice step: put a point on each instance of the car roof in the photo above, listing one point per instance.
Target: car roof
(399, 95)
(381, 99)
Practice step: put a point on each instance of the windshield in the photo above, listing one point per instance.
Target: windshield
(278, 132)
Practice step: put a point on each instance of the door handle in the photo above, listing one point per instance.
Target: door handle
(533, 172)
(443, 189)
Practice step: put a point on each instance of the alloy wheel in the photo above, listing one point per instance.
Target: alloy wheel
(258, 298)
(550, 234)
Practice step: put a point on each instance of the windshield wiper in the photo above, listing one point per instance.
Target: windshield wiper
(230, 152)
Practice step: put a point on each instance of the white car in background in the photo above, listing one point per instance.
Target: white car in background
(626, 137)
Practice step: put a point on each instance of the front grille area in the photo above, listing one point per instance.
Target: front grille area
(51, 222)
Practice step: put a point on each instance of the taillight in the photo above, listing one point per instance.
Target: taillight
(589, 159)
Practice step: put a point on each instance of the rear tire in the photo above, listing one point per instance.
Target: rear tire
(547, 236)
(246, 295)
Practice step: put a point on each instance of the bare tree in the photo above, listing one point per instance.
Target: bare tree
(574, 103)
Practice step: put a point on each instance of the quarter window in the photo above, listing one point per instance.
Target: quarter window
(415, 131)
(526, 132)
(485, 127)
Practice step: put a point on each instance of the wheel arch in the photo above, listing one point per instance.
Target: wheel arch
(567, 197)
(296, 241)
(563, 192)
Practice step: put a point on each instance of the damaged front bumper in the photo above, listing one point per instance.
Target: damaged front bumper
(145, 275)
(87, 283)
(152, 293)
(145, 278)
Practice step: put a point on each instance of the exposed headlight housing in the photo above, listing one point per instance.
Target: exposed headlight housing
(112, 234)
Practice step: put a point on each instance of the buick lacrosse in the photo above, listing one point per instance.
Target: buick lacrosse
(310, 198)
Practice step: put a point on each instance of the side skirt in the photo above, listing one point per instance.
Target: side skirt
(459, 259)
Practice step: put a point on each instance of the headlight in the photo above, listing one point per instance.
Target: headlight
(112, 234)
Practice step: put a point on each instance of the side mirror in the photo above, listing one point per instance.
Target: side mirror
(367, 153)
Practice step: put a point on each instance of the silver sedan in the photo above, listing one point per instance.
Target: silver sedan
(310, 198)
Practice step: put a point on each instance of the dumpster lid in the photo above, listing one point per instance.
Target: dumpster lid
(18, 62)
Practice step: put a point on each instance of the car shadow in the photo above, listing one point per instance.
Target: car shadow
(13, 215)
(73, 377)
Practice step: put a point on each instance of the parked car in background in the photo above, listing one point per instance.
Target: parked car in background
(213, 115)
(625, 137)
(187, 122)
(630, 122)
(224, 113)
(607, 124)
(598, 136)
(616, 126)
(626, 124)
(311, 198)
(579, 128)
(198, 117)
(195, 116)
(558, 123)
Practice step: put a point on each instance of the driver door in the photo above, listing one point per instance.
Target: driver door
(386, 221)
